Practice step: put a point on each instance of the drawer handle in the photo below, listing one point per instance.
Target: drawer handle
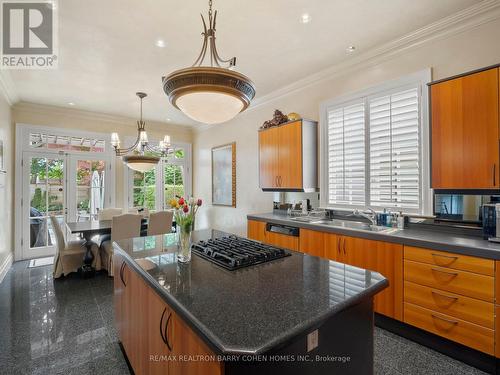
(454, 322)
(454, 274)
(449, 257)
(445, 296)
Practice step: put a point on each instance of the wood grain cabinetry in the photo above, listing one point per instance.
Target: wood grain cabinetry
(312, 242)
(465, 132)
(451, 295)
(288, 156)
(256, 230)
(151, 333)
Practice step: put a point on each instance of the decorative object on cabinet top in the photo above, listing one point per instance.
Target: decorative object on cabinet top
(293, 116)
(278, 119)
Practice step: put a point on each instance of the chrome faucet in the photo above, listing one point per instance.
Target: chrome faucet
(369, 214)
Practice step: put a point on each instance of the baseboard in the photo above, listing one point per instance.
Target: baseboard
(5, 266)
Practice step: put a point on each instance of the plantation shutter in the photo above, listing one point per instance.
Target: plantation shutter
(346, 155)
(394, 151)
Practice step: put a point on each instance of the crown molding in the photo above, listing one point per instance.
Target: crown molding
(7, 87)
(44, 109)
(466, 19)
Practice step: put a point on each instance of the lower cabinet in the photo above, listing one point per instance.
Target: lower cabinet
(383, 257)
(256, 230)
(153, 336)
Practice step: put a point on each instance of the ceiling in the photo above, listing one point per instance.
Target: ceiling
(107, 48)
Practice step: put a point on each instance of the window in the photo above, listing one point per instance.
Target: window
(153, 189)
(372, 149)
(67, 143)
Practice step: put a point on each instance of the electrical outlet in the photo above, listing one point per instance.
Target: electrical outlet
(312, 340)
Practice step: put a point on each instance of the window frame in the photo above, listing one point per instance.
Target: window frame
(186, 162)
(419, 80)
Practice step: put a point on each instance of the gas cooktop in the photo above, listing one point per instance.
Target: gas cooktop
(232, 252)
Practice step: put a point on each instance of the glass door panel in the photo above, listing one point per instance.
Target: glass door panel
(173, 182)
(45, 191)
(144, 189)
(88, 177)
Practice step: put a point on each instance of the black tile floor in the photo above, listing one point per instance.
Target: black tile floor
(66, 327)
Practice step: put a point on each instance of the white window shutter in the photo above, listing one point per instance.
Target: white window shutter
(394, 151)
(346, 155)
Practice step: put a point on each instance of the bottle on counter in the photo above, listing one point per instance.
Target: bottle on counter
(401, 220)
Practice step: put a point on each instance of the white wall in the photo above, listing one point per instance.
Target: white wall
(6, 191)
(472, 49)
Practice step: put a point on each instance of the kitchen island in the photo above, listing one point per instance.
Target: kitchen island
(297, 315)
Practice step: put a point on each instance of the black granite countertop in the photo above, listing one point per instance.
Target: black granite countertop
(254, 309)
(419, 237)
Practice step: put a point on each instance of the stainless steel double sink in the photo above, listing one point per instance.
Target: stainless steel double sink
(356, 225)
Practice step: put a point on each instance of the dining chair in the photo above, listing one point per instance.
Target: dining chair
(108, 213)
(69, 256)
(160, 223)
(122, 227)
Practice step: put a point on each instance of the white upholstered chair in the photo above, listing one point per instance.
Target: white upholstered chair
(122, 226)
(69, 256)
(160, 222)
(108, 213)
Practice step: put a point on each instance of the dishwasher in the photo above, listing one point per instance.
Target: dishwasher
(282, 236)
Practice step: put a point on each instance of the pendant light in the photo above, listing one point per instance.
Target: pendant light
(209, 94)
(141, 156)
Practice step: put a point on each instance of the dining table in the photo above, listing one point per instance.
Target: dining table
(88, 230)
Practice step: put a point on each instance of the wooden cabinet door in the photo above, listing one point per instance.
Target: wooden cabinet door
(312, 242)
(465, 135)
(384, 258)
(118, 296)
(256, 230)
(160, 340)
(268, 158)
(282, 240)
(290, 156)
(186, 343)
(332, 247)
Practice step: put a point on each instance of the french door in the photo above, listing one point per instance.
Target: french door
(71, 187)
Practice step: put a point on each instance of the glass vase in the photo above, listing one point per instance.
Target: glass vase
(184, 244)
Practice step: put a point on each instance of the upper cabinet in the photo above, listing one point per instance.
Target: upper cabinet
(465, 132)
(288, 157)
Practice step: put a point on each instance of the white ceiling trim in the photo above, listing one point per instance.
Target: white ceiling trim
(7, 88)
(44, 109)
(479, 14)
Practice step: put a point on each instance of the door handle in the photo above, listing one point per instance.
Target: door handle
(494, 174)
(163, 331)
(453, 274)
(454, 322)
(345, 252)
(444, 296)
(166, 332)
(122, 268)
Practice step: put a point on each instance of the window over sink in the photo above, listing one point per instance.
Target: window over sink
(374, 147)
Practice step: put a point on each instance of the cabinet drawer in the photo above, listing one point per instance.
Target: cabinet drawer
(471, 335)
(455, 281)
(466, 308)
(451, 260)
(282, 240)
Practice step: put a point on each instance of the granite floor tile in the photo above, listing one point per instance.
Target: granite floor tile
(66, 326)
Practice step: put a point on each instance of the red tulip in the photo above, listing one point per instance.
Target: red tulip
(185, 209)
(198, 202)
(181, 201)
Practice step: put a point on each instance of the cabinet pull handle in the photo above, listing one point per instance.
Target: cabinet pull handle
(161, 326)
(454, 322)
(338, 244)
(166, 332)
(494, 175)
(122, 268)
(444, 256)
(345, 252)
(454, 274)
(444, 296)
(276, 181)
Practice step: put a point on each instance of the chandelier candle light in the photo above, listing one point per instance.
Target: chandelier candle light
(209, 94)
(184, 214)
(141, 156)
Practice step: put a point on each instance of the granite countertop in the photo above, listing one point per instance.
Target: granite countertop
(253, 309)
(419, 237)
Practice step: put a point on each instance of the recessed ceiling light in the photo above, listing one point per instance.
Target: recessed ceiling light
(168, 119)
(350, 49)
(160, 43)
(71, 104)
(305, 18)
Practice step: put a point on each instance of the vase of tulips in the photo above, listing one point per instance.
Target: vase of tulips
(184, 214)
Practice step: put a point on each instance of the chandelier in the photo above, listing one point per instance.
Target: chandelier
(141, 156)
(209, 94)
